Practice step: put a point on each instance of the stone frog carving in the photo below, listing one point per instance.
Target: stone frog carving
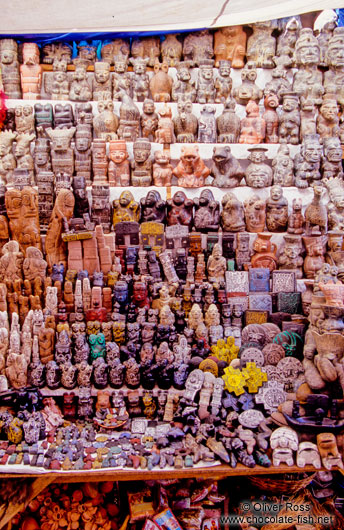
(225, 168)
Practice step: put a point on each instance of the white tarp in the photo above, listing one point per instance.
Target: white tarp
(68, 16)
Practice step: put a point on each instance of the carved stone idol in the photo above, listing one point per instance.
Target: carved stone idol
(332, 159)
(102, 85)
(232, 215)
(183, 88)
(290, 256)
(165, 131)
(207, 212)
(328, 119)
(125, 208)
(62, 155)
(56, 249)
(31, 71)
(162, 169)
(185, 123)
(142, 164)
(276, 210)
(258, 174)
(283, 167)
(82, 150)
(205, 82)
(129, 119)
(289, 120)
(24, 120)
(271, 118)
(308, 166)
(333, 79)
(248, 89)
(228, 124)
(140, 79)
(105, 124)
(198, 46)
(80, 88)
(121, 79)
(7, 159)
(335, 206)
(152, 207)
(191, 171)
(230, 45)
(179, 210)
(171, 50)
(119, 168)
(296, 220)
(254, 214)
(149, 120)
(10, 68)
(308, 79)
(261, 46)
(161, 83)
(225, 168)
(22, 211)
(252, 128)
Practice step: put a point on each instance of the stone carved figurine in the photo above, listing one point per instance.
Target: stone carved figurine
(230, 45)
(185, 123)
(252, 128)
(207, 212)
(225, 168)
(232, 215)
(31, 71)
(191, 171)
(228, 124)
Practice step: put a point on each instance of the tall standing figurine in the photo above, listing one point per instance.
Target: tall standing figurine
(140, 79)
(198, 46)
(142, 164)
(55, 248)
(258, 173)
(31, 71)
(289, 121)
(230, 45)
(183, 88)
(161, 83)
(308, 79)
(276, 210)
(82, 151)
(252, 128)
(10, 68)
(22, 211)
(228, 124)
(102, 85)
(223, 82)
(334, 78)
(205, 82)
(149, 120)
(80, 89)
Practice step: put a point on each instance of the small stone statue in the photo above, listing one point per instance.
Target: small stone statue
(217, 266)
(207, 212)
(121, 79)
(328, 119)
(333, 79)
(316, 213)
(228, 124)
(161, 83)
(223, 82)
(290, 255)
(142, 164)
(332, 159)
(191, 171)
(7, 160)
(152, 208)
(225, 169)
(34, 265)
(198, 46)
(99, 161)
(185, 123)
(265, 252)
(165, 130)
(286, 42)
(105, 124)
(179, 210)
(279, 84)
(24, 120)
(55, 248)
(162, 169)
(335, 206)
(62, 155)
(205, 82)
(149, 120)
(146, 47)
(22, 211)
(10, 68)
(80, 89)
(308, 167)
(118, 168)
(261, 46)
(289, 120)
(183, 88)
(315, 248)
(171, 50)
(271, 118)
(23, 155)
(254, 214)
(309, 115)
(207, 125)
(31, 71)
(230, 45)
(308, 79)
(82, 151)
(125, 208)
(258, 174)
(296, 220)
(248, 89)
(232, 215)
(252, 128)
(283, 167)
(102, 85)
(129, 119)
(242, 256)
(117, 48)
(140, 79)
(276, 210)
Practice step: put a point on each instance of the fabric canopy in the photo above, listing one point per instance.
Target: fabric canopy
(74, 16)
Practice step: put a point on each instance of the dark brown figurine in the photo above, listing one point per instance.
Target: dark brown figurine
(228, 124)
(207, 212)
(55, 248)
(149, 120)
(232, 215)
(225, 168)
(179, 210)
(185, 123)
(276, 210)
(152, 208)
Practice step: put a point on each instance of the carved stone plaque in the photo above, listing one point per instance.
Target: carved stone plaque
(273, 353)
(289, 302)
(237, 282)
(259, 280)
(255, 317)
(260, 302)
(283, 282)
(271, 396)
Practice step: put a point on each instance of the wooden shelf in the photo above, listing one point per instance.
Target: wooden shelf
(214, 472)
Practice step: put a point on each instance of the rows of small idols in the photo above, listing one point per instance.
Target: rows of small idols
(310, 88)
